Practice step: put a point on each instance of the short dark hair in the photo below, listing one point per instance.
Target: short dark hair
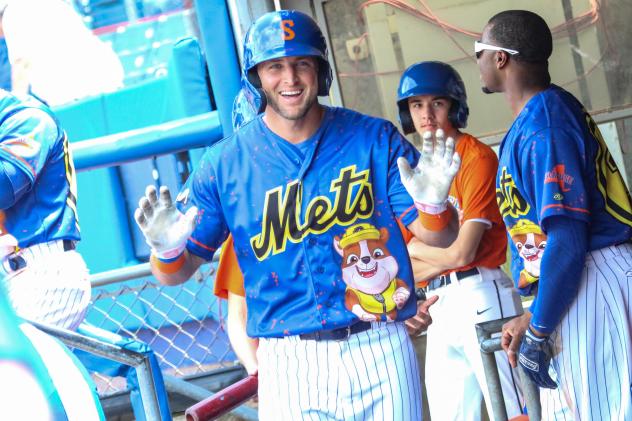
(523, 31)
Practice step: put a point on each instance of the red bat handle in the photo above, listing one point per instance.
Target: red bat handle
(224, 400)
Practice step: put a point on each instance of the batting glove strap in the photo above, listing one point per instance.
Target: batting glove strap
(170, 255)
(535, 358)
(432, 209)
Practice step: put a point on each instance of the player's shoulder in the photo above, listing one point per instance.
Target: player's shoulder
(356, 121)
(26, 112)
(551, 108)
(474, 148)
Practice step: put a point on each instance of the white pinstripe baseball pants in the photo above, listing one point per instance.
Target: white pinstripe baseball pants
(593, 344)
(53, 288)
(371, 376)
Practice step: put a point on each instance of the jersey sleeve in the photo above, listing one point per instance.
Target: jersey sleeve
(228, 277)
(26, 140)
(552, 170)
(201, 190)
(478, 189)
(401, 203)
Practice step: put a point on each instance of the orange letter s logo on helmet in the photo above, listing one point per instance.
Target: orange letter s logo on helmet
(288, 32)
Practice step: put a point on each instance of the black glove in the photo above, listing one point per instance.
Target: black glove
(535, 357)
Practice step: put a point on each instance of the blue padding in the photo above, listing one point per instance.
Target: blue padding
(188, 79)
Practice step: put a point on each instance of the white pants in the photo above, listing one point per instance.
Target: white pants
(53, 288)
(593, 344)
(373, 375)
(455, 377)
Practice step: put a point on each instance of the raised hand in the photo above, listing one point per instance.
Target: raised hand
(165, 228)
(429, 182)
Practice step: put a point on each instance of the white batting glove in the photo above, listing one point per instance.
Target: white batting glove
(165, 228)
(429, 183)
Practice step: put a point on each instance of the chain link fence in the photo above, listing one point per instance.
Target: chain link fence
(183, 324)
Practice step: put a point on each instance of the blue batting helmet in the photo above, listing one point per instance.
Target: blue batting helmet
(284, 33)
(432, 78)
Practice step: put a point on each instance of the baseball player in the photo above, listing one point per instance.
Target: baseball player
(40, 379)
(38, 201)
(312, 196)
(466, 277)
(569, 218)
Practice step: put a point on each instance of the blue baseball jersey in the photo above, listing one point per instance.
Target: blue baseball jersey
(315, 225)
(554, 161)
(32, 141)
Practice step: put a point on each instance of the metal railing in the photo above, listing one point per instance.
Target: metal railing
(489, 345)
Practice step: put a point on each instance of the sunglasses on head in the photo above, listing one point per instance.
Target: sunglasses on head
(479, 47)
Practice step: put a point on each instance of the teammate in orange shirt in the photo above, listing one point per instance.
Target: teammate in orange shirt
(466, 277)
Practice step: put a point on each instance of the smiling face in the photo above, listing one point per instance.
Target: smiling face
(367, 266)
(430, 112)
(290, 85)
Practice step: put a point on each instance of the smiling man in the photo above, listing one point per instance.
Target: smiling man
(312, 196)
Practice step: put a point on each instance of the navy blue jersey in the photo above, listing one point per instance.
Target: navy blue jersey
(315, 227)
(554, 161)
(33, 142)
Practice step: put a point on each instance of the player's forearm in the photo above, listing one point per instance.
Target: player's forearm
(439, 236)
(244, 346)
(422, 270)
(177, 271)
(560, 271)
(460, 253)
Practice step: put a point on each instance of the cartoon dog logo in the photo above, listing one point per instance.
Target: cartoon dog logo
(531, 243)
(374, 293)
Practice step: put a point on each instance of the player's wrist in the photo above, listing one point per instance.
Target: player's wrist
(168, 265)
(435, 222)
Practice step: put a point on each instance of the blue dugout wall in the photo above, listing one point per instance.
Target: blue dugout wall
(198, 81)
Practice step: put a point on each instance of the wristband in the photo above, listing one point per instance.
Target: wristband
(432, 209)
(169, 266)
(435, 222)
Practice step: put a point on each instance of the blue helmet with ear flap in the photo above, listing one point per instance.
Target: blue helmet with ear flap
(432, 78)
(284, 33)
(245, 106)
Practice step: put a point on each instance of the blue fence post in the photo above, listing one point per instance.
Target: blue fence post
(222, 61)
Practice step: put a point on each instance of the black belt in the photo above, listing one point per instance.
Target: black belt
(17, 262)
(340, 334)
(443, 280)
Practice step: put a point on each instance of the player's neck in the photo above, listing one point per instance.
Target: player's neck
(295, 131)
(520, 89)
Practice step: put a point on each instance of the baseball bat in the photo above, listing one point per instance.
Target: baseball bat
(224, 400)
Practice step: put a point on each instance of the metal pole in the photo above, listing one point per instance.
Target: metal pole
(148, 391)
(489, 345)
(491, 373)
(531, 394)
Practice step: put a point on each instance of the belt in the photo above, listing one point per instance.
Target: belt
(340, 334)
(443, 280)
(16, 262)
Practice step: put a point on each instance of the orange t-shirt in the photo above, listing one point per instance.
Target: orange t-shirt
(473, 192)
(228, 276)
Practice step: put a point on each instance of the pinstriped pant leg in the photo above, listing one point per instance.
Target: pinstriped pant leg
(371, 376)
(594, 345)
